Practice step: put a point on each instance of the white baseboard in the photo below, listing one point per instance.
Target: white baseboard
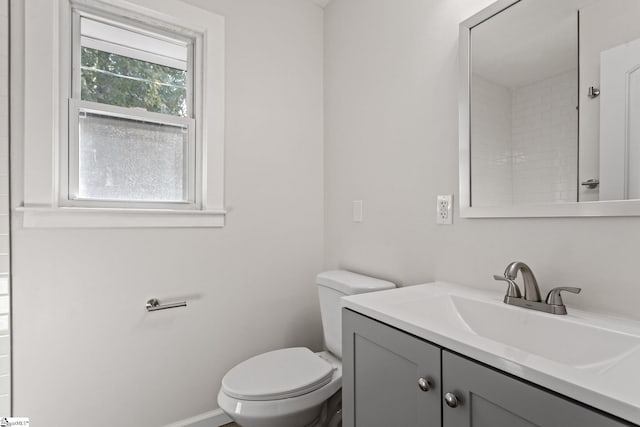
(215, 418)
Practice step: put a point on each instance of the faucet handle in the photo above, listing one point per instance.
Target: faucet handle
(513, 290)
(555, 298)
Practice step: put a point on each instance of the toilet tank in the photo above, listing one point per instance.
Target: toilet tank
(333, 285)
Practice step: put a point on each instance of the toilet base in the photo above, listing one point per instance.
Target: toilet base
(327, 414)
(333, 414)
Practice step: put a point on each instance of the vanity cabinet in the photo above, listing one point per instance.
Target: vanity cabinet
(382, 368)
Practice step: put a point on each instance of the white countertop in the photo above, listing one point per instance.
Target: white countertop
(611, 385)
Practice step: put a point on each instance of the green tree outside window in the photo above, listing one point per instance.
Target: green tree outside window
(113, 79)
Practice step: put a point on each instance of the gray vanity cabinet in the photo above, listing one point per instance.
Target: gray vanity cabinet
(488, 398)
(384, 367)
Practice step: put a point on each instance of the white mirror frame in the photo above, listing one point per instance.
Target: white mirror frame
(567, 209)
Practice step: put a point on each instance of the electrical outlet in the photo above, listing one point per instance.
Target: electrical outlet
(444, 209)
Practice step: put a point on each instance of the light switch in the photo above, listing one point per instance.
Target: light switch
(357, 211)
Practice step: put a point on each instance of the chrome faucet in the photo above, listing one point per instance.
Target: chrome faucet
(553, 303)
(531, 290)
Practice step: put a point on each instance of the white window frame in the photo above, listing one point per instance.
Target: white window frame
(49, 109)
(69, 158)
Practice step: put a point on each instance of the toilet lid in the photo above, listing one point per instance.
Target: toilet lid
(278, 374)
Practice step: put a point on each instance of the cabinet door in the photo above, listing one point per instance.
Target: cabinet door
(488, 398)
(381, 370)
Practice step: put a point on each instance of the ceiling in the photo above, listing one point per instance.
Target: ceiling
(528, 42)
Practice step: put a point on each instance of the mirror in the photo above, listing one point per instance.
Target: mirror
(550, 109)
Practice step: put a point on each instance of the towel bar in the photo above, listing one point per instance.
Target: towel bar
(154, 305)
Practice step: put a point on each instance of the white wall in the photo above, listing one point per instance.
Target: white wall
(87, 353)
(391, 111)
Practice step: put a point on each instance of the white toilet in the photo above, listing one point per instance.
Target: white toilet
(294, 387)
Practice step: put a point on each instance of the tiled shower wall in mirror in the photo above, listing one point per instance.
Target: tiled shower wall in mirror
(5, 341)
(524, 141)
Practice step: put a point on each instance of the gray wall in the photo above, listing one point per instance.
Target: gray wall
(391, 140)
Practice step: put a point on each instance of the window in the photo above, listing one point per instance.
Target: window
(123, 114)
(132, 125)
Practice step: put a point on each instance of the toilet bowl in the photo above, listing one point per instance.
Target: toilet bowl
(295, 387)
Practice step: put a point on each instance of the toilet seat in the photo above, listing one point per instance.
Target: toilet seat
(279, 374)
(284, 412)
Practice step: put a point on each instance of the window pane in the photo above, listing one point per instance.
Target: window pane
(131, 160)
(129, 69)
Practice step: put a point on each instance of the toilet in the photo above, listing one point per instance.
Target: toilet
(295, 387)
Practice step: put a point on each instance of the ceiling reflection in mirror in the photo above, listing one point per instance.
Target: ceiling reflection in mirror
(555, 103)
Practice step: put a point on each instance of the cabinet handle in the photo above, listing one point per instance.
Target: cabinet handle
(451, 400)
(424, 384)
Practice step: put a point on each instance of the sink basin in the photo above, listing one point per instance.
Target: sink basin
(558, 338)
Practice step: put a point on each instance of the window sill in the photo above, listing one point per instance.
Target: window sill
(72, 217)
